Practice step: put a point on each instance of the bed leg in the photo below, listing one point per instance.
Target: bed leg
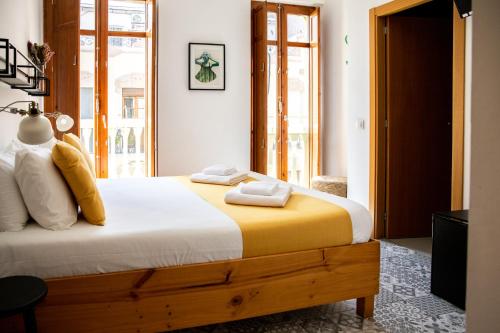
(364, 306)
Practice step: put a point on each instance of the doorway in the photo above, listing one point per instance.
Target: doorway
(414, 115)
(285, 91)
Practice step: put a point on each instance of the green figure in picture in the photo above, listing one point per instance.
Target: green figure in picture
(206, 74)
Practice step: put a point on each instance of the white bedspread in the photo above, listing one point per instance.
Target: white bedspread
(154, 222)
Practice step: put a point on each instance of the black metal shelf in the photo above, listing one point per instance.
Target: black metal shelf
(19, 72)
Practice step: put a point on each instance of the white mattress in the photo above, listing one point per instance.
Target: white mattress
(153, 222)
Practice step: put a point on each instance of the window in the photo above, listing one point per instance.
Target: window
(288, 148)
(272, 26)
(126, 15)
(87, 91)
(128, 108)
(87, 14)
(86, 103)
(116, 85)
(133, 103)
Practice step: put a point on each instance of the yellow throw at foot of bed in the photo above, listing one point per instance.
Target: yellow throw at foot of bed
(305, 222)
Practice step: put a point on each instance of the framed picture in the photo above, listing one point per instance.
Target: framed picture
(207, 66)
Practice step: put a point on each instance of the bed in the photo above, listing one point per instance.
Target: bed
(170, 257)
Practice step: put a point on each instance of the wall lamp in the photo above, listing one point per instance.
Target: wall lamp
(35, 127)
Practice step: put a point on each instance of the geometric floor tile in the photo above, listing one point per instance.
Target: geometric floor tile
(386, 296)
(403, 305)
(432, 305)
(403, 291)
(399, 316)
(455, 321)
(439, 324)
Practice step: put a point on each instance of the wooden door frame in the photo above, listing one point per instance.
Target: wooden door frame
(377, 191)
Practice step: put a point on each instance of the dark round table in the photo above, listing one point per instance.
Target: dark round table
(20, 295)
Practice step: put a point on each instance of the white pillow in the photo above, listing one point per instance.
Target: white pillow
(13, 212)
(15, 145)
(9, 154)
(45, 193)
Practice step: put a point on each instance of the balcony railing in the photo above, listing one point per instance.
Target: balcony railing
(298, 153)
(126, 146)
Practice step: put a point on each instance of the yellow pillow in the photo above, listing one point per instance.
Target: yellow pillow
(80, 180)
(75, 142)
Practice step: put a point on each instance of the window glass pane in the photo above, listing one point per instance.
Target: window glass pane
(272, 26)
(140, 108)
(126, 116)
(128, 107)
(298, 116)
(272, 111)
(314, 27)
(298, 28)
(149, 17)
(87, 14)
(127, 15)
(87, 75)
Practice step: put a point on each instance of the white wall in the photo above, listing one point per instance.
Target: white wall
(483, 268)
(20, 21)
(198, 128)
(334, 115)
(346, 93)
(358, 98)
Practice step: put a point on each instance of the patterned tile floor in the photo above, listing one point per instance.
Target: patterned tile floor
(404, 304)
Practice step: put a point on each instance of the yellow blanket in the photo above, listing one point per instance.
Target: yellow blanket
(305, 223)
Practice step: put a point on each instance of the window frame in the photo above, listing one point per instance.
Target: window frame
(314, 158)
(102, 33)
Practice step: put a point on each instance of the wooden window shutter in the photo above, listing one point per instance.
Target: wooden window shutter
(62, 33)
(259, 89)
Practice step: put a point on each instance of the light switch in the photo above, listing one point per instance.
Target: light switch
(360, 124)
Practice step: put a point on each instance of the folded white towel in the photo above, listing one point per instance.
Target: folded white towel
(219, 180)
(260, 188)
(279, 199)
(219, 170)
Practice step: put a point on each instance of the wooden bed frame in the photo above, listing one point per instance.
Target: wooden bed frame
(165, 299)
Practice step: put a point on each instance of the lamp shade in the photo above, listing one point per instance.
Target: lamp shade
(64, 123)
(35, 129)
